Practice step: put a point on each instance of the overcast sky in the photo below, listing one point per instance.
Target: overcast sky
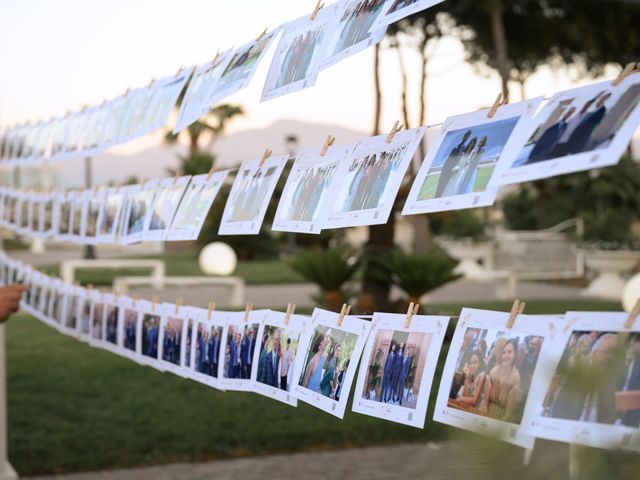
(59, 55)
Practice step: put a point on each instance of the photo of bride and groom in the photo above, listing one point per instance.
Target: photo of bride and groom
(466, 160)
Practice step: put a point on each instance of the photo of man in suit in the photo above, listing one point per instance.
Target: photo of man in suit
(272, 362)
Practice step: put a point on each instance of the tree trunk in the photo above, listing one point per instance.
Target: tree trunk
(403, 95)
(420, 223)
(375, 295)
(378, 93)
(501, 46)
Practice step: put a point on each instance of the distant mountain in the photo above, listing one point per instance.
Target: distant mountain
(230, 151)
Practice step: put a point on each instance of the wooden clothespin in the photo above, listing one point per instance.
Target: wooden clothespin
(154, 302)
(152, 81)
(516, 309)
(319, 6)
(142, 183)
(628, 70)
(216, 57)
(126, 92)
(290, 309)
(395, 129)
(177, 176)
(179, 71)
(343, 313)
(178, 304)
(500, 101)
(212, 307)
(327, 143)
(212, 170)
(247, 311)
(267, 153)
(411, 311)
(261, 35)
(633, 315)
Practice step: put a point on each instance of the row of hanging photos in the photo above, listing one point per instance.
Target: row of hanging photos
(337, 186)
(146, 109)
(290, 357)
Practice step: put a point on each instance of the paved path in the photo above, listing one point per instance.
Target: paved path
(470, 459)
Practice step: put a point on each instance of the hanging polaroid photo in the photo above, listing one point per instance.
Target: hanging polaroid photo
(272, 372)
(71, 315)
(138, 210)
(164, 95)
(19, 144)
(238, 352)
(72, 143)
(128, 327)
(195, 205)
(47, 214)
(250, 194)
(296, 62)
(241, 67)
(587, 390)
(57, 299)
(41, 145)
(460, 164)
(77, 209)
(91, 136)
(42, 305)
(205, 334)
(329, 355)
(195, 103)
(370, 179)
(487, 375)
(110, 213)
(401, 356)
(354, 31)
(395, 10)
(22, 210)
(10, 212)
(173, 326)
(116, 122)
(163, 207)
(93, 205)
(29, 142)
(32, 298)
(148, 333)
(33, 222)
(111, 318)
(59, 137)
(311, 185)
(579, 129)
(97, 318)
(85, 314)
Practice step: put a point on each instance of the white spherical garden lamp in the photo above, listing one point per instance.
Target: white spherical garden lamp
(218, 258)
(631, 293)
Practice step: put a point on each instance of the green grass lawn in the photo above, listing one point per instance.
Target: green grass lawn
(73, 408)
(186, 264)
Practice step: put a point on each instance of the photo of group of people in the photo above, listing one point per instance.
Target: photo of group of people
(129, 328)
(493, 373)
(581, 124)
(207, 348)
(278, 347)
(112, 313)
(239, 349)
(327, 360)
(251, 194)
(297, 53)
(311, 185)
(369, 176)
(466, 160)
(139, 206)
(242, 66)
(150, 335)
(172, 340)
(354, 27)
(195, 205)
(597, 379)
(97, 319)
(395, 366)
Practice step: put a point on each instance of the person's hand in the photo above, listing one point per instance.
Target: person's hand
(10, 300)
